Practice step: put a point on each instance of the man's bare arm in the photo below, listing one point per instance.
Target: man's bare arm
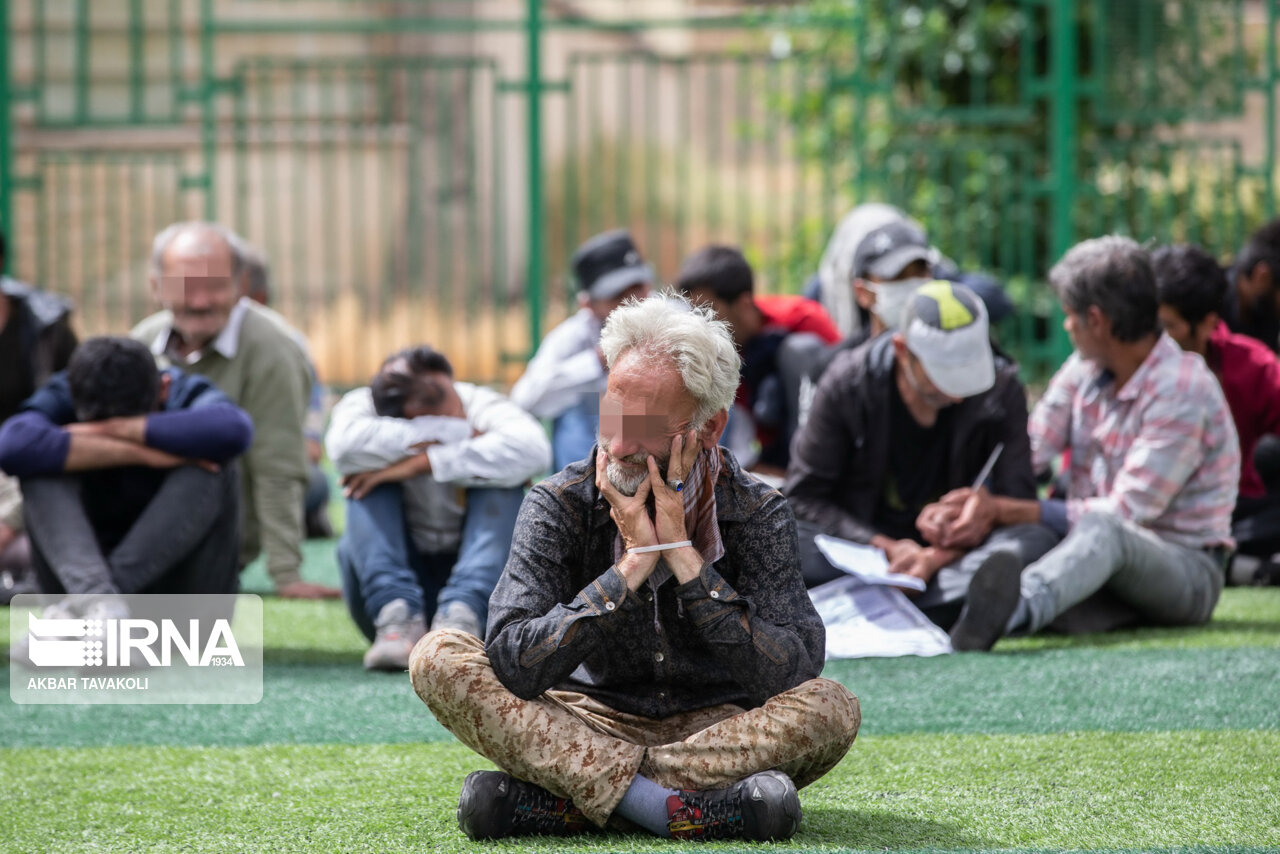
(128, 429)
(90, 451)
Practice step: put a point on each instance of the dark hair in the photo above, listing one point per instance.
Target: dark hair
(393, 387)
(1190, 280)
(1114, 274)
(1263, 247)
(256, 274)
(112, 377)
(721, 269)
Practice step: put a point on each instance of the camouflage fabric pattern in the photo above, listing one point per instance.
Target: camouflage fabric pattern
(578, 748)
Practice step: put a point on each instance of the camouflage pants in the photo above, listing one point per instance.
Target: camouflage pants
(581, 749)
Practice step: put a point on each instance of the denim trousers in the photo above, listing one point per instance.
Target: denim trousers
(379, 562)
(1167, 583)
(186, 540)
(574, 431)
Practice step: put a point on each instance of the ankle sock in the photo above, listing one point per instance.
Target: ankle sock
(645, 803)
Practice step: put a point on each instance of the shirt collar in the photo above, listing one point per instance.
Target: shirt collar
(1161, 352)
(227, 344)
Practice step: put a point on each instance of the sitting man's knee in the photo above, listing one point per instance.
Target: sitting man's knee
(1097, 523)
(438, 657)
(836, 704)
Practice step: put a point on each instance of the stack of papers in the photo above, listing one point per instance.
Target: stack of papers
(868, 564)
(865, 615)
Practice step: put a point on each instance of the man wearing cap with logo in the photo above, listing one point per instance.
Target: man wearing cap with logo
(1155, 461)
(565, 378)
(897, 425)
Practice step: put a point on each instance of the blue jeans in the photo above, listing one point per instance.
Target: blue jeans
(574, 431)
(379, 562)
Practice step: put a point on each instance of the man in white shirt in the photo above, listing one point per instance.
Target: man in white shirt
(566, 377)
(433, 470)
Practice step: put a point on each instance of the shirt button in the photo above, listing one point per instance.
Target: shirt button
(609, 606)
(658, 657)
(715, 594)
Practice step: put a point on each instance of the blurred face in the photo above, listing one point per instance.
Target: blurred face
(864, 289)
(741, 314)
(1254, 286)
(196, 284)
(918, 385)
(1193, 339)
(645, 406)
(450, 406)
(1086, 331)
(602, 308)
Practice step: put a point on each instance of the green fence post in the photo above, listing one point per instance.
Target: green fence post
(6, 151)
(1063, 145)
(1270, 78)
(535, 229)
(209, 118)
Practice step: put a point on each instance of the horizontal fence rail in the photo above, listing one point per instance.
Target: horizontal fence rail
(422, 170)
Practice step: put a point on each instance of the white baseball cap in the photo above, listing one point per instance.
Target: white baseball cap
(945, 326)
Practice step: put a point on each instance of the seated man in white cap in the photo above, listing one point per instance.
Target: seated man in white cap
(897, 425)
(566, 377)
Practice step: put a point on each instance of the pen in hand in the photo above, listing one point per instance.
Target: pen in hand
(988, 466)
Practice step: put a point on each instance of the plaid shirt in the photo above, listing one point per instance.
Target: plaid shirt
(1161, 451)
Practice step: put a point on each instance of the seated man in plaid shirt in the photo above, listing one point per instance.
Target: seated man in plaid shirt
(1154, 464)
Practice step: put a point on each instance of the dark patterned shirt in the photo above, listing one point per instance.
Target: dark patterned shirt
(562, 616)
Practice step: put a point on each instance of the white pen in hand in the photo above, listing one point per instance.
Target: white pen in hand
(988, 466)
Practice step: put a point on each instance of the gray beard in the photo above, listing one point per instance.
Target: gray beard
(627, 484)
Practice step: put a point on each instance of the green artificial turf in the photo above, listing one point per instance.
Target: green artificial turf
(1033, 692)
(1079, 791)
(315, 691)
(1151, 739)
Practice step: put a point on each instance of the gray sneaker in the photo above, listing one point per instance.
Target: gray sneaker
(397, 631)
(458, 615)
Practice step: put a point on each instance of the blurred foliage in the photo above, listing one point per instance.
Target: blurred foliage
(943, 107)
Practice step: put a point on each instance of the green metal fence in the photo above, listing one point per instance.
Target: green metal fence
(422, 169)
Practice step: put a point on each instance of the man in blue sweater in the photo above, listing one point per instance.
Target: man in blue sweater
(128, 476)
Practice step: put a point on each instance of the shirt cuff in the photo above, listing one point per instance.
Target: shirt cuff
(708, 599)
(608, 594)
(1053, 514)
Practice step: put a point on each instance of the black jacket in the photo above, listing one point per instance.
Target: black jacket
(561, 615)
(44, 324)
(840, 457)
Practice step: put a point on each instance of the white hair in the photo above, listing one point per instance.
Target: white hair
(668, 326)
(162, 241)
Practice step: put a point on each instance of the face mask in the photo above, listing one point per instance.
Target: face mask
(892, 299)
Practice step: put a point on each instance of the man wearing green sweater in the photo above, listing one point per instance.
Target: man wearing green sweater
(205, 327)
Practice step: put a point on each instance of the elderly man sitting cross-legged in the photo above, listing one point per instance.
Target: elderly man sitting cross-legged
(651, 652)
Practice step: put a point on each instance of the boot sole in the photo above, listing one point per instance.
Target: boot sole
(992, 599)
